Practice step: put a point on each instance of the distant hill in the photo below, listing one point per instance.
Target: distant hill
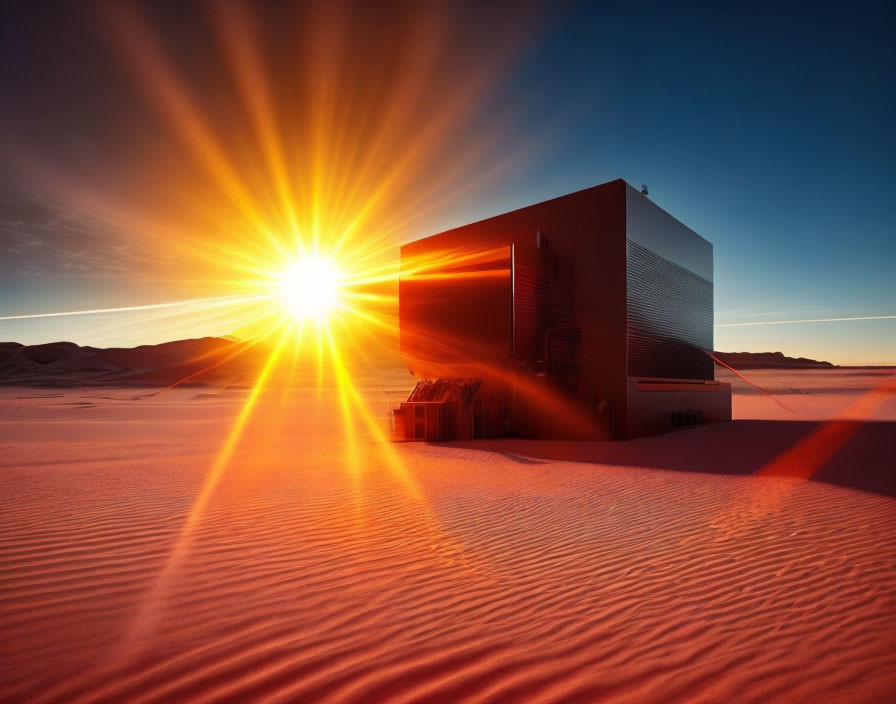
(214, 360)
(206, 361)
(770, 360)
(65, 364)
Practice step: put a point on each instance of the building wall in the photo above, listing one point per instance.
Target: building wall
(545, 337)
(657, 407)
(637, 286)
(669, 294)
(584, 233)
(456, 311)
(650, 226)
(670, 318)
(600, 301)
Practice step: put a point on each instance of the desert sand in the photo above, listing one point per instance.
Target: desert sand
(137, 566)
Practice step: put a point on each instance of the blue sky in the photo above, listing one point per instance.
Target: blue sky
(766, 128)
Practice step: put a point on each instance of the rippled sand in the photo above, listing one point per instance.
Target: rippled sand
(318, 570)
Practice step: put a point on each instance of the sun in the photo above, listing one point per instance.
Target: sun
(309, 287)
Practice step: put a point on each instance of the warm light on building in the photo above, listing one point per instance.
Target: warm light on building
(586, 316)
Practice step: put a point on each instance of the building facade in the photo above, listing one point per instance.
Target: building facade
(586, 316)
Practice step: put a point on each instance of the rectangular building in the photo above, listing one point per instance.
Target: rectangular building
(586, 316)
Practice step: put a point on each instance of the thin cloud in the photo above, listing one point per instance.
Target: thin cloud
(806, 320)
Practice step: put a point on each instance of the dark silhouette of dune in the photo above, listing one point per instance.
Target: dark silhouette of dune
(66, 364)
(770, 360)
(209, 360)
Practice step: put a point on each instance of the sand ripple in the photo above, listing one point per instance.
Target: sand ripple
(522, 581)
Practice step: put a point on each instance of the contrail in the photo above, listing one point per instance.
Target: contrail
(810, 320)
(151, 306)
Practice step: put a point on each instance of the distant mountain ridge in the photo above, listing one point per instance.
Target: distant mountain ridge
(770, 360)
(209, 360)
(66, 364)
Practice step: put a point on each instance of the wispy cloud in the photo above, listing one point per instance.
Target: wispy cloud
(211, 301)
(805, 320)
(39, 238)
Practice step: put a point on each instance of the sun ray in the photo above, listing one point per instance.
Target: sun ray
(270, 169)
(740, 376)
(240, 348)
(145, 621)
(173, 97)
(804, 459)
(240, 43)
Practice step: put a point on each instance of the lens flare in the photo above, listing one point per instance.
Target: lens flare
(282, 181)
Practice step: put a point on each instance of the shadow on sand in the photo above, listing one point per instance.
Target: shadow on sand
(866, 462)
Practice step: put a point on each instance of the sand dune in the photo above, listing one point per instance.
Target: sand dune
(431, 573)
(65, 364)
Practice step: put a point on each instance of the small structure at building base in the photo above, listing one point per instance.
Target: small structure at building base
(441, 409)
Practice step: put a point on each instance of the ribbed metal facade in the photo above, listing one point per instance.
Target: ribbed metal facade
(670, 318)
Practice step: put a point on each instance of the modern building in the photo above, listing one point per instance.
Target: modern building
(586, 316)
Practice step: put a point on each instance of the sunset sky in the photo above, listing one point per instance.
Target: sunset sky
(151, 154)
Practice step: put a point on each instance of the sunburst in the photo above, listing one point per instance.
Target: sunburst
(284, 176)
(310, 287)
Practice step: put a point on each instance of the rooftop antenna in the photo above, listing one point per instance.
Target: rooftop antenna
(643, 189)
